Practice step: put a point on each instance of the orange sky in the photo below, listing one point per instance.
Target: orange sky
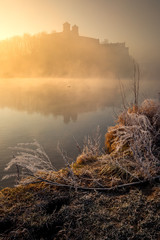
(135, 22)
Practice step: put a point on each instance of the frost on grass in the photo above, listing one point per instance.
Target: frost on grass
(33, 164)
(135, 141)
(133, 154)
(30, 159)
(91, 149)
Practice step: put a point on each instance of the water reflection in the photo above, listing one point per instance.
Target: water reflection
(39, 108)
(59, 97)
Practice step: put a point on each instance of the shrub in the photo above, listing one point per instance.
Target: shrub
(137, 137)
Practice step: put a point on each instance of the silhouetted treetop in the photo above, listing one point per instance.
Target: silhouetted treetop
(61, 54)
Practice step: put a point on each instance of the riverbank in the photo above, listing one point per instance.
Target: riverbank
(40, 211)
(102, 195)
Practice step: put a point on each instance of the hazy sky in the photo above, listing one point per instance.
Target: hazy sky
(135, 22)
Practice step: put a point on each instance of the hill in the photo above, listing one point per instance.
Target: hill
(63, 54)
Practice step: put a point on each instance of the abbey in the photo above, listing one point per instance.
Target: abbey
(72, 34)
(86, 56)
(63, 54)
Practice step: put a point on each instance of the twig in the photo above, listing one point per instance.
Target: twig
(99, 189)
(77, 145)
(18, 173)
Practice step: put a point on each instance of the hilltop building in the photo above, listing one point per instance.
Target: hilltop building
(61, 54)
(87, 55)
(69, 33)
(73, 34)
(66, 29)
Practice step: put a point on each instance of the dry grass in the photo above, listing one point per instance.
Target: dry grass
(43, 205)
(133, 148)
(134, 143)
(40, 211)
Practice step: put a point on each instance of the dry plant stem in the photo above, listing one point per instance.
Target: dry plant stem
(134, 158)
(125, 170)
(31, 158)
(91, 145)
(138, 134)
(72, 176)
(123, 95)
(18, 173)
(77, 145)
(94, 188)
(136, 80)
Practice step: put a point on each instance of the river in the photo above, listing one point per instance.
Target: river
(58, 110)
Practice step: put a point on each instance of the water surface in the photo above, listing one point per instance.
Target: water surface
(55, 110)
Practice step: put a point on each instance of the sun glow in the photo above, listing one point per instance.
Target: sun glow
(133, 22)
(19, 16)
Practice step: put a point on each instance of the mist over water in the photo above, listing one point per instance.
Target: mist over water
(54, 110)
(58, 97)
(61, 85)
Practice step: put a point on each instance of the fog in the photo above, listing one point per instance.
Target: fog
(68, 97)
(64, 54)
(134, 22)
(58, 97)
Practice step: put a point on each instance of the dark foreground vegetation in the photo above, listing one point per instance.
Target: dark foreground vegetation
(102, 195)
(42, 212)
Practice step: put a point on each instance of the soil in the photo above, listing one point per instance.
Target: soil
(40, 211)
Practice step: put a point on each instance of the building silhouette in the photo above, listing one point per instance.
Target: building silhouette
(73, 34)
(87, 56)
(61, 54)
